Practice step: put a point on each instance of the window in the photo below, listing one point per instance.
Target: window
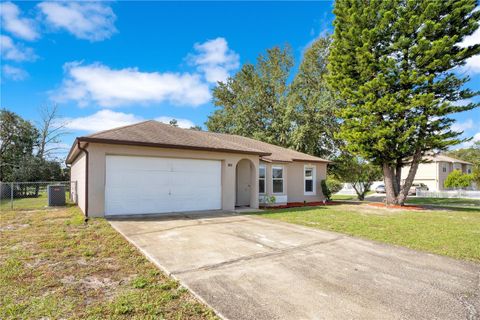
(469, 170)
(277, 179)
(444, 168)
(309, 180)
(261, 179)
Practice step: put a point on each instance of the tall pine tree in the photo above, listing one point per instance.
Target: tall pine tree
(395, 64)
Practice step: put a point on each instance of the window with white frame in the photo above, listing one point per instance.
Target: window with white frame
(261, 179)
(277, 179)
(309, 180)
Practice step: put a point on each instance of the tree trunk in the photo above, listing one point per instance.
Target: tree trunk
(410, 177)
(395, 193)
(390, 181)
(358, 191)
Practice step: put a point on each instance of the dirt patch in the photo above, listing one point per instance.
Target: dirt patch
(90, 282)
(13, 227)
(395, 207)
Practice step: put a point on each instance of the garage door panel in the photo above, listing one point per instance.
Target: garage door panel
(142, 185)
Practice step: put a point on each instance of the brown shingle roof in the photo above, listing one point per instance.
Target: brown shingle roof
(154, 133)
(443, 158)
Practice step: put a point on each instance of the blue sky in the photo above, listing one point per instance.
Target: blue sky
(111, 64)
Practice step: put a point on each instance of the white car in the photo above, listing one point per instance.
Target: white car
(417, 186)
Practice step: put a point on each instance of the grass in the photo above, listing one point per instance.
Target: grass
(446, 202)
(446, 232)
(344, 197)
(54, 266)
(40, 202)
(349, 196)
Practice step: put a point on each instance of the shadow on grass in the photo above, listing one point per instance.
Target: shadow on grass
(449, 208)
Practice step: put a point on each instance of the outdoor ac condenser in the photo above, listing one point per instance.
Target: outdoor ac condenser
(56, 195)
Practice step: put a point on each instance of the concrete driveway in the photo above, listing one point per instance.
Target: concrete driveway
(246, 267)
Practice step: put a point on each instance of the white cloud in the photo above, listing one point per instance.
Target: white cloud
(468, 144)
(108, 87)
(214, 59)
(92, 21)
(14, 73)
(11, 21)
(108, 119)
(462, 126)
(471, 40)
(13, 51)
(473, 65)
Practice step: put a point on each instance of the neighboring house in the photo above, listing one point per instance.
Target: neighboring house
(434, 172)
(151, 167)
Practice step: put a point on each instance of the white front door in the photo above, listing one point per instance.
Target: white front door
(143, 185)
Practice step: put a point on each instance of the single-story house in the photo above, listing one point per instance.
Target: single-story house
(435, 169)
(151, 167)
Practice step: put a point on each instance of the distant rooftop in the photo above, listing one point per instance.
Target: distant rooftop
(444, 158)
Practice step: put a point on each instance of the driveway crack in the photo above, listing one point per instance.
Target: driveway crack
(198, 224)
(276, 252)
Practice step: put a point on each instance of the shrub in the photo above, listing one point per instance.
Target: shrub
(458, 180)
(330, 186)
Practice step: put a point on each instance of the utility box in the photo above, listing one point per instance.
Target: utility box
(56, 195)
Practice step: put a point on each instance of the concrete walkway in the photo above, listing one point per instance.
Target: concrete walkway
(246, 267)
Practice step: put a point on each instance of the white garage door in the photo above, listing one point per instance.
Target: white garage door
(142, 185)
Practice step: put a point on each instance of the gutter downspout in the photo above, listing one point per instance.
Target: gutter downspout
(86, 178)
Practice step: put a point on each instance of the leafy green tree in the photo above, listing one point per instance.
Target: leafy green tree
(393, 63)
(173, 123)
(356, 171)
(471, 154)
(330, 186)
(253, 102)
(312, 106)
(260, 102)
(18, 139)
(458, 180)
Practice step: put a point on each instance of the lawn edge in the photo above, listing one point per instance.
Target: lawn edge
(369, 240)
(168, 273)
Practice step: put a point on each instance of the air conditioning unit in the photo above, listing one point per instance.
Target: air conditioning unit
(56, 195)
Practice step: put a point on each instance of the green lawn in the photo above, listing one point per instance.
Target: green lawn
(53, 266)
(348, 196)
(446, 202)
(446, 232)
(40, 202)
(344, 197)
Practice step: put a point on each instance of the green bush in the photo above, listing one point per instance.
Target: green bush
(330, 186)
(458, 180)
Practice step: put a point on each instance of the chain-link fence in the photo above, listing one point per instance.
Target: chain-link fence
(36, 195)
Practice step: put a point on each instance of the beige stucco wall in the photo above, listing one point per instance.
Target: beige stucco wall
(98, 152)
(77, 173)
(295, 177)
(427, 173)
(293, 183)
(442, 176)
(432, 173)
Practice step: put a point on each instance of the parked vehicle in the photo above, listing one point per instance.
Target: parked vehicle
(380, 189)
(417, 186)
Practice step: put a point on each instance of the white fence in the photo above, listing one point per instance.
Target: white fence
(449, 194)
